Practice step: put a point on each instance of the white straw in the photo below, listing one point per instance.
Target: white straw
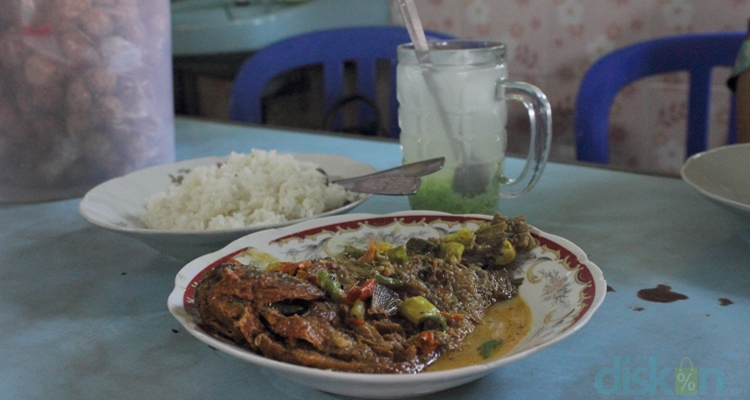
(416, 31)
(418, 38)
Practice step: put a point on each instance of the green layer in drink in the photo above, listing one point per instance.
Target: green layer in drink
(436, 193)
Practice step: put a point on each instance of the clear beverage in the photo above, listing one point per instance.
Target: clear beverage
(451, 110)
(455, 107)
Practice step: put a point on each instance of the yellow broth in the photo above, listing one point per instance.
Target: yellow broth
(508, 321)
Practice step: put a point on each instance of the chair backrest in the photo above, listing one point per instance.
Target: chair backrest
(696, 53)
(331, 48)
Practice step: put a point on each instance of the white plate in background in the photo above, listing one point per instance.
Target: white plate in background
(118, 203)
(722, 174)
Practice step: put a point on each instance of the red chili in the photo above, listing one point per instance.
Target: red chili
(355, 321)
(452, 316)
(426, 342)
(368, 288)
(363, 292)
(291, 268)
(372, 250)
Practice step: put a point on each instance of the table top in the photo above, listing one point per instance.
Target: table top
(83, 310)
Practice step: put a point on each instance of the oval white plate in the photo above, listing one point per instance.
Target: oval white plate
(722, 174)
(118, 203)
(561, 286)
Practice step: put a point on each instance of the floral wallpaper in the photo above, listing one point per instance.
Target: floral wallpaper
(551, 43)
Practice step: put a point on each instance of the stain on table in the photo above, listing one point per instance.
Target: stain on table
(661, 294)
(725, 302)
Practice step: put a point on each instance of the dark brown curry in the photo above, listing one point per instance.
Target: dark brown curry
(383, 309)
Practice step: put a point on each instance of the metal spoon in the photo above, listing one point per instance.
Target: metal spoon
(395, 181)
(471, 179)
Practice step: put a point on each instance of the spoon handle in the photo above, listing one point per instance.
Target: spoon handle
(414, 170)
(386, 185)
(419, 168)
(395, 181)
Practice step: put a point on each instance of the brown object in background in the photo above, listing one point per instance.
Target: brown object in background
(742, 99)
(742, 102)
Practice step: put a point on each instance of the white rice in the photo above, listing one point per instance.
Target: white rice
(248, 189)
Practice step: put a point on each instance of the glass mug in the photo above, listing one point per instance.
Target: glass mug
(456, 107)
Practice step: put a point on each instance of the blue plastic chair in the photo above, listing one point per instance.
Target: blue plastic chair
(331, 48)
(695, 53)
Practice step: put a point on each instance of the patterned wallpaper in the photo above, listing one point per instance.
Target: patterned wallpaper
(551, 43)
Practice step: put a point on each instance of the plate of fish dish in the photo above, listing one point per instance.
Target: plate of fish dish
(389, 306)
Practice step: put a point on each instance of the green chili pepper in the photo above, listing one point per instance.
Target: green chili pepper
(398, 255)
(330, 285)
(393, 283)
(353, 252)
(463, 236)
(420, 246)
(418, 310)
(358, 310)
(451, 250)
(507, 254)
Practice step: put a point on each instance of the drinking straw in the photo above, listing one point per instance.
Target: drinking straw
(415, 29)
(422, 49)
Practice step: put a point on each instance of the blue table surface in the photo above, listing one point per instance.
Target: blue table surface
(83, 310)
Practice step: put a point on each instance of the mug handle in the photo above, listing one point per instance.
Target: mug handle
(540, 117)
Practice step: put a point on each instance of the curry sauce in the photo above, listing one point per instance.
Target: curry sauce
(506, 321)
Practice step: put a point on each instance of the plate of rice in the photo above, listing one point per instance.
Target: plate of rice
(195, 207)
